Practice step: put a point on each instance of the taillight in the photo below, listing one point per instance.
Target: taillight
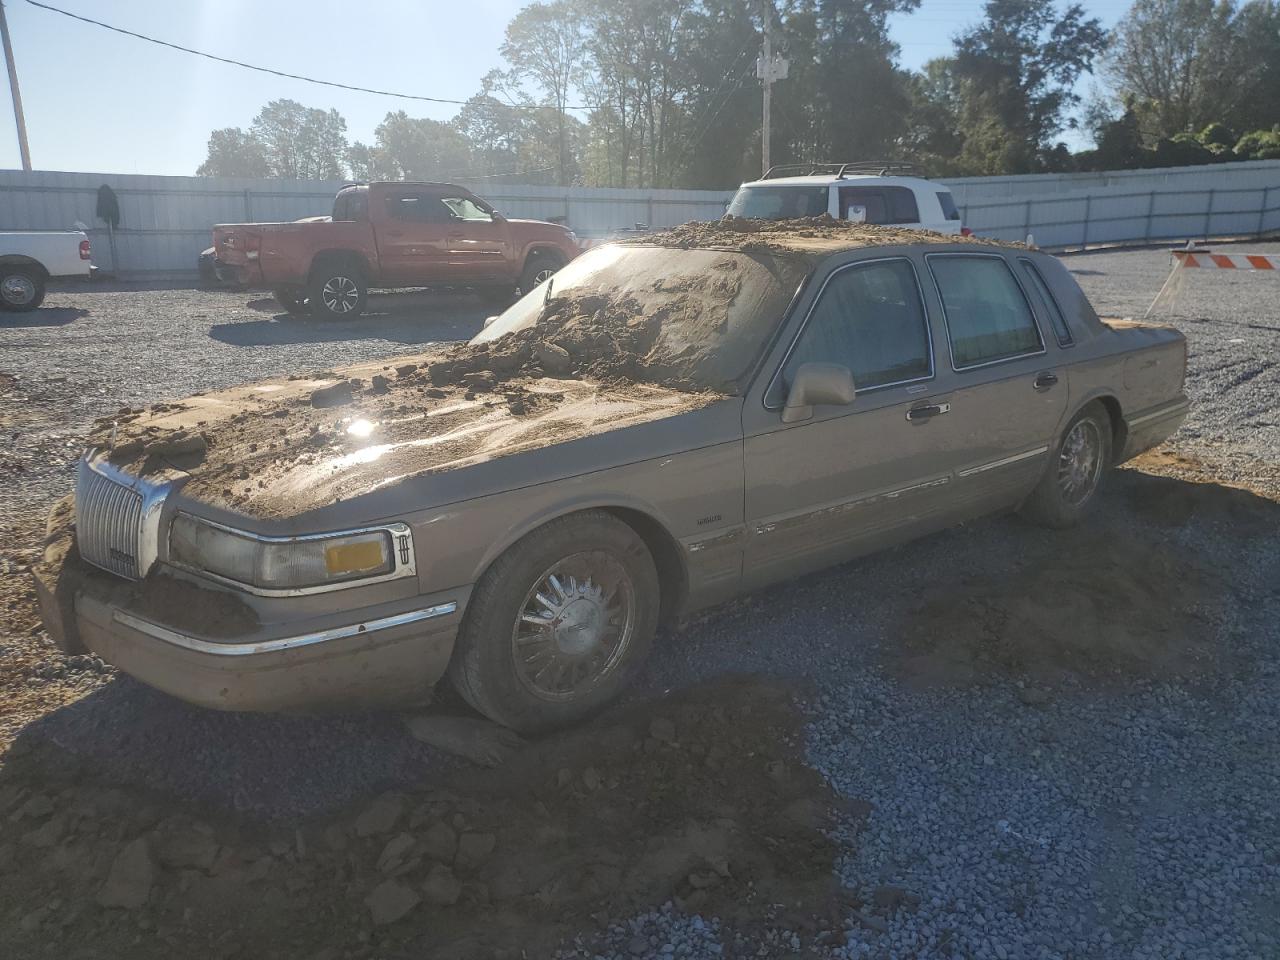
(966, 232)
(84, 249)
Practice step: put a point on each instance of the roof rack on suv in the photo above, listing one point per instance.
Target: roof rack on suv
(880, 168)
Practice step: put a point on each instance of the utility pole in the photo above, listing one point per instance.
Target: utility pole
(13, 89)
(769, 69)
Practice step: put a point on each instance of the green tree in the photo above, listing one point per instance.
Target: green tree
(1179, 63)
(1017, 69)
(233, 153)
(300, 142)
(544, 43)
(409, 148)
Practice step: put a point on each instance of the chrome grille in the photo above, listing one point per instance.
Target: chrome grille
(108, 522)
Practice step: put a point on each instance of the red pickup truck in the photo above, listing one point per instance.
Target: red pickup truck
(393, 235)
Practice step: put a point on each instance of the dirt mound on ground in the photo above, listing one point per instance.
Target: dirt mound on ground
(1098, 605)
(700, 798)
(803, 235)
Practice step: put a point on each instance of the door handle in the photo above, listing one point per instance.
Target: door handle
(1044, 381)
(395, 233)
(928, 411)
(457, 236)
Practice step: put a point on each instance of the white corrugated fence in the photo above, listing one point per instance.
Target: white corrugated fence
(166, 221)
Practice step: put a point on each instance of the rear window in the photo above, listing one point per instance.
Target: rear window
(880, 205)
(948, 205)
(779, 203)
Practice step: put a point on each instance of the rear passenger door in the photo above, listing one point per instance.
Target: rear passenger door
(1010, 385)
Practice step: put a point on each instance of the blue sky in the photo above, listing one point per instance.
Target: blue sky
(97, 101)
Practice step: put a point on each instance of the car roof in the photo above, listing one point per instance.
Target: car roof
(851, 179)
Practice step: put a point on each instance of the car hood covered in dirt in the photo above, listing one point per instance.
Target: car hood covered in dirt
(653, 338)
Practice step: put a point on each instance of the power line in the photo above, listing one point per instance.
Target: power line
(250, 66)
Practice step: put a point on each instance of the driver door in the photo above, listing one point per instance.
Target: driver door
(477, 240)
(851, 478)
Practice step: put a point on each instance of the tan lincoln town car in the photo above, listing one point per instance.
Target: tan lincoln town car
(667, 423)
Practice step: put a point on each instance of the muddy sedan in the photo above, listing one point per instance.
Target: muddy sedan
(666, 424)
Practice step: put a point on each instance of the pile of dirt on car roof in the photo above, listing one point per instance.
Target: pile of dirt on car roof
(806, 235)
(701, 799)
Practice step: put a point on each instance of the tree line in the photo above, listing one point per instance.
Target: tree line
(668, 96)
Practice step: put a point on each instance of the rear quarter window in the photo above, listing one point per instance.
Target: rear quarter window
(948, 205)
(883, 205)
(1035, 282)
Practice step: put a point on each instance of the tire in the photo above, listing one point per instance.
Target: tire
(291, 299)
(538, 269)
(21, 289)
(579, 657)
(1069, 487)
(337, 291)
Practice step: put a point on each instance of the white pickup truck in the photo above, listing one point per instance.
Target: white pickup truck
(29, 259)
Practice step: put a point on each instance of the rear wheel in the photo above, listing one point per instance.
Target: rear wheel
(559, 624)
(291, 299)
(538, 269)
(337, 290)
(21, 288)
(1070, 484)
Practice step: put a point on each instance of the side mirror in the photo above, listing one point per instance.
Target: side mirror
(817, 383)
(488, 321)
(497, 217)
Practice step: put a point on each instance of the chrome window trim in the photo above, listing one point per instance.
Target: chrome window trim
(951, 355)
(199, 645)
(804, 325)
(153, 498)
(403, 556)
(1052, 305)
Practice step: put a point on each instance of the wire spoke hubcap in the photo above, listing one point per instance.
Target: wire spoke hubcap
(574, 626)
(18, 290)
(1080, 462)
(340, 294)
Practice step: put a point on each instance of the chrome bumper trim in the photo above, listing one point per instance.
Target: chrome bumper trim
(1004, 462)
(188, 642)
(1176, 408)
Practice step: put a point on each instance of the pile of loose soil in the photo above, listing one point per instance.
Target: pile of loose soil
(804, 235)
(700, 798)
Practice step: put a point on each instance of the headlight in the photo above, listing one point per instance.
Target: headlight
(285, 564)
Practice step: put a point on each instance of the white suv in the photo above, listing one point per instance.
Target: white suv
(877, 192)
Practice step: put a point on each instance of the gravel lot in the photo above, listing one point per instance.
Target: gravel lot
(990, 806)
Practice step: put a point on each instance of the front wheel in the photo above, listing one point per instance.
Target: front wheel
(20, 289)
(337, 292)
(559, 624)
(1070, 485)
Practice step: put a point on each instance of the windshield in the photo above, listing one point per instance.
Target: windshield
(779, 203)
(694, 318)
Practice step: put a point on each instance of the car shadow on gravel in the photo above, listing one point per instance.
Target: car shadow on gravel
(42, 317)
(286, 329)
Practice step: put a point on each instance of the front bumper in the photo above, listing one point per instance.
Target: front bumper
(379, 656)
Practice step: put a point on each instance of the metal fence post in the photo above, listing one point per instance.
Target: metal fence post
(1208, 214)
(248, 206)
(1151, 206)
(1088, 203)
(1026, 220)
(649, 214)
(1262, 211)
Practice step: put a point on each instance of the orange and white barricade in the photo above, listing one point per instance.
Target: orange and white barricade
(1198, 258)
